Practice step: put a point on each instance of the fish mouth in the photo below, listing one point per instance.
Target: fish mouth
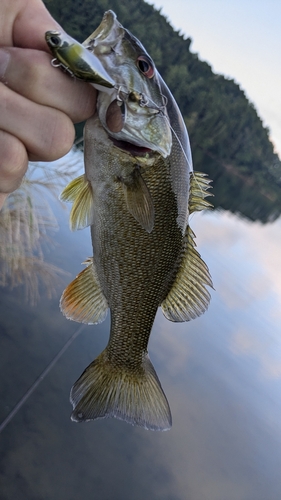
(133, 149)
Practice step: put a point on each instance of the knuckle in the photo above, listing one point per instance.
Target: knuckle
(55, 138)
(85, 103)
(13, 162)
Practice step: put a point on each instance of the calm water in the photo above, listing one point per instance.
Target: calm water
(221, 374)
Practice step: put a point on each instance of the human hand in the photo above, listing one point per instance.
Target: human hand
(38, 103)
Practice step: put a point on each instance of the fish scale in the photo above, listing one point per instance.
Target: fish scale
(144, 260)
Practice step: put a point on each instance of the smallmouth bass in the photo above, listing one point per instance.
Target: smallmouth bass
(137, 193)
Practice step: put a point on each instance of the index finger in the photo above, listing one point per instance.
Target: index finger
(25, 23)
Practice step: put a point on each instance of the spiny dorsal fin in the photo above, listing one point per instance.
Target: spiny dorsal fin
(138, 199)
(83, 300)
(188, 297)
(79, 192)
(199, 185)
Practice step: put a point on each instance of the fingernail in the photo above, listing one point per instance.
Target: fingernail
(4, 61)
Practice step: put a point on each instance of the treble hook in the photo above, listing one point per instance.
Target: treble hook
(57, 64)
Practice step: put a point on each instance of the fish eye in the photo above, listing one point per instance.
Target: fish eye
(145, 66)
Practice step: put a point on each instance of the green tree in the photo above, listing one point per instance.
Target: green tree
(228, 138)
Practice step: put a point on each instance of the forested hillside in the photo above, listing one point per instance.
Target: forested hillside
(228, 139)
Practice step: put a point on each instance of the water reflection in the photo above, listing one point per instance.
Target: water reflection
(255, 196)
(221, 373)
(248, 283)
(27, 223)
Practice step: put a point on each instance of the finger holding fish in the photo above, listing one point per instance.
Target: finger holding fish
(46, 132)
(28, 73)
(13, 164)
(35, 114)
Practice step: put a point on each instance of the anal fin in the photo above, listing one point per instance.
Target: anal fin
(83, 300)
(188, 297)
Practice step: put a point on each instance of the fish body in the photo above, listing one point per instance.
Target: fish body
(136, 194)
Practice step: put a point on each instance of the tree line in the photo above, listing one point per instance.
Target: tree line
(228, 139)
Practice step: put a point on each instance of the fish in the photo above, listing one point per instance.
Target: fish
(137, 194)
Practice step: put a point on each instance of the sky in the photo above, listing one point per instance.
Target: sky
(240, 39)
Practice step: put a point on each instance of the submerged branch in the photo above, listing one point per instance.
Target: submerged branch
(26, 225)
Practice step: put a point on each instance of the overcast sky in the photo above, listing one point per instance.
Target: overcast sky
(240, 39)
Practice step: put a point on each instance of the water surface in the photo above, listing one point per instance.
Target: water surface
(221, 374)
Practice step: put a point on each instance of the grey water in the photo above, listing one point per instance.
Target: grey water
(221, 374)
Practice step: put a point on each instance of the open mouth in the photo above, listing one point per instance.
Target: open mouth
(131, 148)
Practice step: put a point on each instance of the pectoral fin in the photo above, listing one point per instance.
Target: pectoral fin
(83, 300)
(139, 200)
(79, 192)
(188, 297)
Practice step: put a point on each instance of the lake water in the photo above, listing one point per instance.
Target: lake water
(221, 374)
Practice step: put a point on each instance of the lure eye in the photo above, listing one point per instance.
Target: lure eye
(145, 66)
(54, 41)
(53, 38)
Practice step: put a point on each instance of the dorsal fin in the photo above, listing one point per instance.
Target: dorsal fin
(79, 192)
(198, 191)
(83, 299)
(138, 199)
(188, 297)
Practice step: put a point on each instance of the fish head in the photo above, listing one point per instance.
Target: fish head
(134, 111)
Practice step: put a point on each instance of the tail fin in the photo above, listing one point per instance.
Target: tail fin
(104, 390)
